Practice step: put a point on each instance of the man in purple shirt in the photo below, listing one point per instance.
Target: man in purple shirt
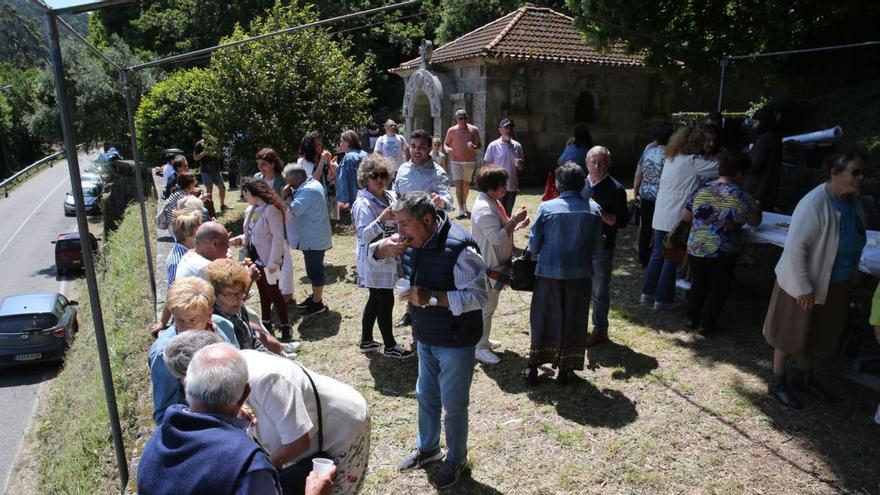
(506, 152)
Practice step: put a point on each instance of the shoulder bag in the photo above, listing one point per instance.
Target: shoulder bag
(523, 267)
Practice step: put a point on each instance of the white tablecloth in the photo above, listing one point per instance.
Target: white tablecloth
(769, 233)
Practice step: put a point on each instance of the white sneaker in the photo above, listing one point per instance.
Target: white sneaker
(289, 355)
(290, 347)
(486, 356)
(494, 344)
(646, 298)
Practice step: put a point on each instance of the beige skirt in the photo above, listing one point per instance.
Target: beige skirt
(792, 329)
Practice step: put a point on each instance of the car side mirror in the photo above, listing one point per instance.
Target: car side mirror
(73, 303)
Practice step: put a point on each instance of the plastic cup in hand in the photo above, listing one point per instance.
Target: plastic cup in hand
(321, 465)
(401, 287)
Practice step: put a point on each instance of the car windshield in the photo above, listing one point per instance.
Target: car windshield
(25, 323)
(68, 245)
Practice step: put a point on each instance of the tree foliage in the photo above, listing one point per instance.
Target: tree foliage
(700, 33)
(20, 146)
(271, 92)
(96, 96)
(172, 114)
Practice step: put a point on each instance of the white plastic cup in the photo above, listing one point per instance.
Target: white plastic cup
(321, 465)
(401, 287)
(272, 278)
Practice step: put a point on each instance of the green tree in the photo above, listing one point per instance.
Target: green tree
(173, 113)
(700, 33)
(96, 96)
(271, 92)
(19, 146)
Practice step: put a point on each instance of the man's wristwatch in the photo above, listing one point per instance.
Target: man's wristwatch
(432, 301)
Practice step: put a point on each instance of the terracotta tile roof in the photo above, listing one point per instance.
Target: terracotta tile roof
(530, 33)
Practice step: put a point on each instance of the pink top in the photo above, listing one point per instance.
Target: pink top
(458, 138)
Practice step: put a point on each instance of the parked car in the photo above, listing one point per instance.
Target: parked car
(92, 179)
(91, 198)
(36, 327)
(68, 251)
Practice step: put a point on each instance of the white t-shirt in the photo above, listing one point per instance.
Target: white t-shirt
(391, 147)
(192, 264)
(308, 166)
(284, 403)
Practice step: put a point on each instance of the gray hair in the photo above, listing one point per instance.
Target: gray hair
(372, 163)
(417, 203)
(216, 377)
(599, 149)
(570, 177)
(294, 171)
(181, 349)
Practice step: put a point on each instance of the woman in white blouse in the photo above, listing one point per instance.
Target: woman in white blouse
(493, 230)
(683, 173)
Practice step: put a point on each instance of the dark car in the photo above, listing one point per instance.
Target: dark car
(91, 198)
(36, 327)
(68, 251)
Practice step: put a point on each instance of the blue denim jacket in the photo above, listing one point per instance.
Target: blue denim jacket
(566, 232)
(308, 220)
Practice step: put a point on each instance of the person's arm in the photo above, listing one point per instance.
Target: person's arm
(167, 390)
(280, 402)
(754, 215)
(475, 138)
(802, 235)
(289, 451)
(493, 229)
(276, 229)
(404, 146)
(621, 214)
(344, 194)
(536, 236)
(366, 227)
(637, 180)
(380, 142)
(447, 143)
(440, 186)
(705, 168)
(301, 201)
(489, 157)
(162, 324)
(470, 283)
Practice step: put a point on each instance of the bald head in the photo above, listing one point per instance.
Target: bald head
(212, 240)
(217, 380)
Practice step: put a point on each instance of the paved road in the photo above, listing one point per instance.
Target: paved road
(30, 218)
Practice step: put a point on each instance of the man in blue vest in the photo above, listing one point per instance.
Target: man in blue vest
(446, 296)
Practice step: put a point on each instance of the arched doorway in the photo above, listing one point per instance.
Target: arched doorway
(422, 102)
(421, 116)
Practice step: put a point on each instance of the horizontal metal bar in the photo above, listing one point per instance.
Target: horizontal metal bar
(30, 168)
(204, 51)
(804, 50)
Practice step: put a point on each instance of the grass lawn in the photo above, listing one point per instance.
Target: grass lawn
(659, 410)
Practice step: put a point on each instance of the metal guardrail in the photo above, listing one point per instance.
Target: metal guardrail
(33, 167)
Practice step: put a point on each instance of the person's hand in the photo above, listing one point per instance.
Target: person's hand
(237, 240)
(254, 272)
(326, 156)
(248, 414)
(320, 484)
(438, 201)
(520, 164)
(520, 215)
(525, 223)
(343, 206)
(155, 328)
(271, 268)
(806, 301)
(286, 191)
(570, 141)
(386, 215)
(391, 246)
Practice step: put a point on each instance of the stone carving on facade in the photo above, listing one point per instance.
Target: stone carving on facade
(426, 50)
(518, 91)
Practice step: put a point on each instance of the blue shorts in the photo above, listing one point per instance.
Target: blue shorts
(212, 178)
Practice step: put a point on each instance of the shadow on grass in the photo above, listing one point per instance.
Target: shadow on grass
(626, 362)
(465, 486)
(394, 377)
(333, 274)
(579, 401)
(319, 326)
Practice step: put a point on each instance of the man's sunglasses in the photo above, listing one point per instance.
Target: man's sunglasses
(379, 176)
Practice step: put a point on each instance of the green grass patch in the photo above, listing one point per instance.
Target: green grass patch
(74, 448)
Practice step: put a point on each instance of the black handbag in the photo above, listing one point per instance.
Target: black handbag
(293, 477)
(523, 272)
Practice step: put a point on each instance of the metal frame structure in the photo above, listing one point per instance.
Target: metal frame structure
(728, 60)
(52, 22)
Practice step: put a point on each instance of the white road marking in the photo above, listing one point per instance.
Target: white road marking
(34, 212)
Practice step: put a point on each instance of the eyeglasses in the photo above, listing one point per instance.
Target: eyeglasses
(856, 172)
(237, 295)
(379, 176)
(461, 118)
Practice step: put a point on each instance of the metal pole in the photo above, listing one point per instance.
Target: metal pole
(138, 173)
(724, 62)
(83, 227)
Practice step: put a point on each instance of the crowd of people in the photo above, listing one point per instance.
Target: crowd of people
(221, 375)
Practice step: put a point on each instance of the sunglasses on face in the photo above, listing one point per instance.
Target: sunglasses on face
(379, 176)
(461, 118)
